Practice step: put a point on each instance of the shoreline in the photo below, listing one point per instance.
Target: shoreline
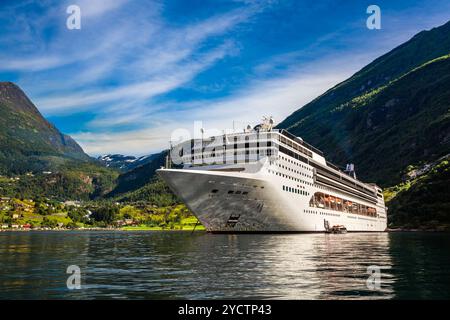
(128, 228)
(100, 229)
(141, 229)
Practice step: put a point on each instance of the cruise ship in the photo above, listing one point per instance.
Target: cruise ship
(268, 180)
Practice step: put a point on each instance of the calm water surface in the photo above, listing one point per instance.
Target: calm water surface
(176, 265)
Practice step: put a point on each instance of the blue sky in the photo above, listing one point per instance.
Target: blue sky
(137, 70)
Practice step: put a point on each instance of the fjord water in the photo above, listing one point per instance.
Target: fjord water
(176, 265)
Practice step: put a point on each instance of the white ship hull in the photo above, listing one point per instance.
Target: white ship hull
(256, 202)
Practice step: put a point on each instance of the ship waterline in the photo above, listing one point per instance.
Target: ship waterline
(278, 184)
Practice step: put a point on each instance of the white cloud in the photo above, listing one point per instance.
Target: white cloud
(32, 64)
(140, 142)
(277, 97)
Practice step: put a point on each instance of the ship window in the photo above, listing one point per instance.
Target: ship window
(214, 191)
(245, 192)
(230, 192)
(238, 192)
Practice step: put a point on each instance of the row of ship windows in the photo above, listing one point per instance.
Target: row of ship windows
(295, 163)
(295, 171)
(330, 202)
(294, 190)
(289, 177)
(260, 152)
(234, 184)
(293, 145)
(299, 180)
(235, 191)
(334, 215)
(322, 213)
(231, 192)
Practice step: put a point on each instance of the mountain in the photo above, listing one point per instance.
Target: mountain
(36, 159)
(140, 176)
(28, 141)
(392, 113)
(124, 163)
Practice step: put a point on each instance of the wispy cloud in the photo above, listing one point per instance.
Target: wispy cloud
(95, 8)
(167, 80)
(276, 96)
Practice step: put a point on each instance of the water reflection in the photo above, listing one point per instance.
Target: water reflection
(173, 265)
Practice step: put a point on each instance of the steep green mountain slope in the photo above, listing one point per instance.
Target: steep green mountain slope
(37, 159)
(156, 192)
(422, 202)
(73, 180)
(26, 138)
(140, 176)
(390, 114)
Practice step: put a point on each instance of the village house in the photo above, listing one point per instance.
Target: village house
(126, 222)
(72, 203)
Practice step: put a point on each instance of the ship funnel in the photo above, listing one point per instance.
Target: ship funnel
(350, 170)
